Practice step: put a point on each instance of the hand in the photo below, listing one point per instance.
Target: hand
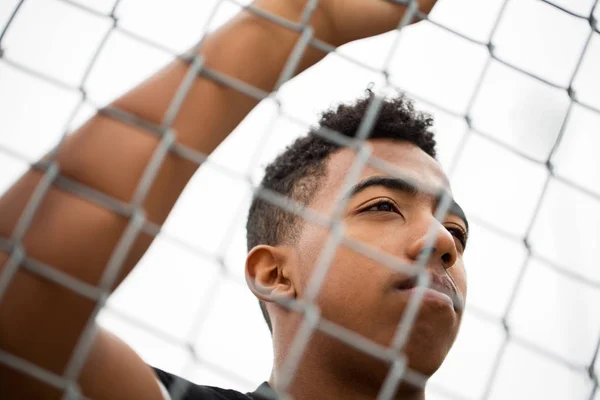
(358, 19)
(348, 20)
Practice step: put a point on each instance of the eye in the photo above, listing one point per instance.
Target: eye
(459, 234)
(382, 206)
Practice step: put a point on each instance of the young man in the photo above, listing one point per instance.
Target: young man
(42, 321)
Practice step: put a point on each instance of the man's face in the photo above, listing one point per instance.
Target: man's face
(367, 296)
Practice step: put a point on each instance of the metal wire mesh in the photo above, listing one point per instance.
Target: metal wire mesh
(312, 320)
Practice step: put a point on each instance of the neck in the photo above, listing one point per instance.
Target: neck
(323, 373)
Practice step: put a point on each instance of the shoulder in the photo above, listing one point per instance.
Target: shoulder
(192, 391)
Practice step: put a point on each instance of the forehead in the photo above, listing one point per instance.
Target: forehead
(406, 158)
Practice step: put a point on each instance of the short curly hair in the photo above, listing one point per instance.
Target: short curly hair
(296, 173)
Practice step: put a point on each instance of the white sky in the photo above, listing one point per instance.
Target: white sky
(177, 284)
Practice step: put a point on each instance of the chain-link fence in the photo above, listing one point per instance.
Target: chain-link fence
(560, 188)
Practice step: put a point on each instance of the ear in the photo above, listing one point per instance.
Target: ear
(268, 273)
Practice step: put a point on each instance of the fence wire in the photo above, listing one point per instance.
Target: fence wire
(312, 321)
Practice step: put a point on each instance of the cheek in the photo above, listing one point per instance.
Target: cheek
(459, 275)
(309, 246)
(350, 270)
(350, 278)
(388, 237)
(348, 265)
(352, 293)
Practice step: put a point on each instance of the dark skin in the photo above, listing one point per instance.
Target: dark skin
(77, 237)
(357, 292)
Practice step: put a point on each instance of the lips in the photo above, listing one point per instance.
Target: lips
(440, 283)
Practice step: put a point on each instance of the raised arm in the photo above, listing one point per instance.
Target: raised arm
(41, 321)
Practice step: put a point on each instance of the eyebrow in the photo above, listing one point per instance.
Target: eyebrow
(407, 187)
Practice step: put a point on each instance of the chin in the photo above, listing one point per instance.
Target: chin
(428, 347)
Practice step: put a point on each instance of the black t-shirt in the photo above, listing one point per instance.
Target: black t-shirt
(199, 392)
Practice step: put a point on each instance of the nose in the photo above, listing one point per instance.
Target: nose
(442, 249)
